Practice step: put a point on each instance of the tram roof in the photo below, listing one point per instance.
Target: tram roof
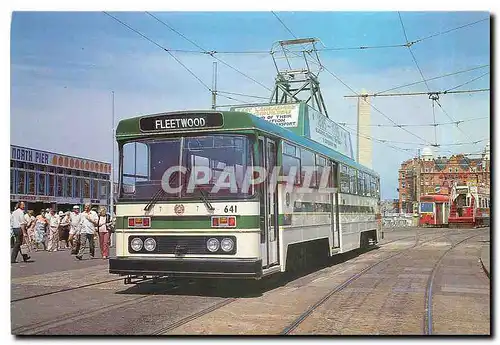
(128, 129)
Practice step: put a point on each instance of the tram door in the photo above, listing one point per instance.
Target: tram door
(439, 213)
(334, 197)
(268, 206)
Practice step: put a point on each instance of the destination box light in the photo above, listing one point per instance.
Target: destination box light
(176, 122)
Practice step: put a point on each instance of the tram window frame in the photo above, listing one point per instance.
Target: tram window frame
(344, 178)
(309, 156)
(333, 180)
(353, 180)
(361, 186)
(321, 163)
(372, 186)
(290, 153)
(367, 185)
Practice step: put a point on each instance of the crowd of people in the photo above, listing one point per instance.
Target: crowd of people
(51, 231)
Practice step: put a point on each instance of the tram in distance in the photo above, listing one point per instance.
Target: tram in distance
(469, 207)
(166, 225)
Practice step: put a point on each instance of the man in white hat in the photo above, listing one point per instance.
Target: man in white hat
(64, 230)
(53, 241)
(74, 230)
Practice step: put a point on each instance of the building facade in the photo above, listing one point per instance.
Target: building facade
(435, 175)
(45, 179)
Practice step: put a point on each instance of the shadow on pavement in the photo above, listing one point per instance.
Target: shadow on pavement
(232, 288)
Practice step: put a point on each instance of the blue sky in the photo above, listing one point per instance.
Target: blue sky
(64, 66)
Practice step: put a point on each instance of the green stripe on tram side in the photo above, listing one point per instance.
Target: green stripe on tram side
(189, 222)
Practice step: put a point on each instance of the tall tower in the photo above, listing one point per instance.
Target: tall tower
(364, 141)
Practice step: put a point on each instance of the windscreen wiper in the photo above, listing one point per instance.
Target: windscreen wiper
(205, 200)
(158, 194)
(207, 203)
(154, 199)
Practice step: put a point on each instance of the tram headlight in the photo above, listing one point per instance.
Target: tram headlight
(213, 245)
(227, 244)
(136, 244)
(150, 244)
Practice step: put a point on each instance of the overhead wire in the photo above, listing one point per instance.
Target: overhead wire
(161, 47)
(433, 78)
(242, 94)
(421, 125)
(211, 53)
(448, 31)
(468, 82)
(352, 90)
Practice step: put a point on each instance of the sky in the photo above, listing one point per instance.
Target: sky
(65, 65)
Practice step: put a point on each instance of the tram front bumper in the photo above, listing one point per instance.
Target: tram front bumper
(187, 267)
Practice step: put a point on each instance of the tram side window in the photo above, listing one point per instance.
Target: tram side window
(372, 186)
(344, 179)
(308, 168)
(367, 184)
(333, 180)
(361, 183)
(289, 160)
(352, 181)
(320, 168)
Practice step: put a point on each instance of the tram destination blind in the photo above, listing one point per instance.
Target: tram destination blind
(176, 122)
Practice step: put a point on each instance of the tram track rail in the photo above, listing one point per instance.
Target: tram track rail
(428, 319)
(302, 317)
(72, 288)
(42, 326)
(225, 302)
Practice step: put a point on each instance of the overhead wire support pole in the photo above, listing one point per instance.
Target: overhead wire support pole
(214, 86)
(434, 97)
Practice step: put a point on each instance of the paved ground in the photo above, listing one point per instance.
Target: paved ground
(150, 308)
(485, 258)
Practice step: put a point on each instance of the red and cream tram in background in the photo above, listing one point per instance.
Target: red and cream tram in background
(470, 207)
(434, 210)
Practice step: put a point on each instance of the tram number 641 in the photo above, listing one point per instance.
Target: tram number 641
(231, 209)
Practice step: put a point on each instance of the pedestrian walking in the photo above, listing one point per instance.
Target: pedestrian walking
(53, 238)
(64, 230)
(88, 222)
(104, 227)
(30, 229)
(18, 227)
(74, 230)
(41, 225)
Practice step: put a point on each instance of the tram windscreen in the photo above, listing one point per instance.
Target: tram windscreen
(427, 207)
(185, 165)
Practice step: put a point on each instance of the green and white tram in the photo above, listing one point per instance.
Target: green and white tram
(199, 194)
